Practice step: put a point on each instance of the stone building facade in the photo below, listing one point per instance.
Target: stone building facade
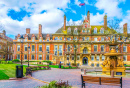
(87, 43)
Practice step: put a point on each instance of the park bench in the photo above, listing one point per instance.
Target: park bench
(44, 67)
(32, 67)
(101, 80)
(66, 66)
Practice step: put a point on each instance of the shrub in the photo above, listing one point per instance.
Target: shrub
(73, 64)
(55, 84)
(16, 60)
(46, 61)
(10, 62)
(3, 59)
(32, 61)
(3, 62)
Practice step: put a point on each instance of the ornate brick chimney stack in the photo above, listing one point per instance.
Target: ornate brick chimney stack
(40, 30)
(105, 22)
(125, 29)
(64, 22)
(27, 30)
(88, 17)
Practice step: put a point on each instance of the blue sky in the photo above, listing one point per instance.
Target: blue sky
(17, 15)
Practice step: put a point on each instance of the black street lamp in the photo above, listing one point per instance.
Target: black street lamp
(28, 54)
(21, 39)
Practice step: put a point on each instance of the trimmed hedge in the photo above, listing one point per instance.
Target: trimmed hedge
(16, 60)
(3, 62)
(32, 61)
(46, 61)
(127, 65)
(9, 62)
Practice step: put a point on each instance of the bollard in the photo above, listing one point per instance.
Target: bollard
(84, 71)
(112, 73)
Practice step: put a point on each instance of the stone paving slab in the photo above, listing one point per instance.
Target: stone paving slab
(72, 75)
(24, 83)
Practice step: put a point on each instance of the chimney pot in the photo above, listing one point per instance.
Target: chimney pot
(27, 30)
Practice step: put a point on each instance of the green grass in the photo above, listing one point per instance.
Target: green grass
(9, 71)
(127, 68)
(127, 65)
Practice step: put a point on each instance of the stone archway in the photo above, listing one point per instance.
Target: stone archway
(85, 61)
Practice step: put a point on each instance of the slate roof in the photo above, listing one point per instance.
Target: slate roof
(36, 36)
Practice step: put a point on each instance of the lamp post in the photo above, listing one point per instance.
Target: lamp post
(21, 39)
(28, 54)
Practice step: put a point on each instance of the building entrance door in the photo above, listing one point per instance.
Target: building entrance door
(85, 61)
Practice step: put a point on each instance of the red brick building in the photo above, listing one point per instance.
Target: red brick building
(87, 42)
(6, 46)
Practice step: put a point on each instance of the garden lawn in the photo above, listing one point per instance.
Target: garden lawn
(9, 71)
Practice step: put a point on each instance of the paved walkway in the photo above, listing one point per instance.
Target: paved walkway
(72, 75)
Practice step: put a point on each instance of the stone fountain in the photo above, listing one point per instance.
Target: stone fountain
(113, 62)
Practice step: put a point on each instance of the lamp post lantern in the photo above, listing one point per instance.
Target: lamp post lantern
(28, 54)
(21, 39)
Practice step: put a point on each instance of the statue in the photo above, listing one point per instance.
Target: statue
(120, 63)
(109, 62)
(105, 62)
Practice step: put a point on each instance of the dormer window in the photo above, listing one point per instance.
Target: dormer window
(47, 38)
(25, 39)
(101, 30)
(60, 38)
(56, 38)
(18, 40)
(95, 30)
(40, 40)
(33, 39)
(75, 30)
(69, 30)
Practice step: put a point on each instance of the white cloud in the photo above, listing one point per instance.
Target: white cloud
(77, 2)
(51, 20)
(126, 19)
(110, 7)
